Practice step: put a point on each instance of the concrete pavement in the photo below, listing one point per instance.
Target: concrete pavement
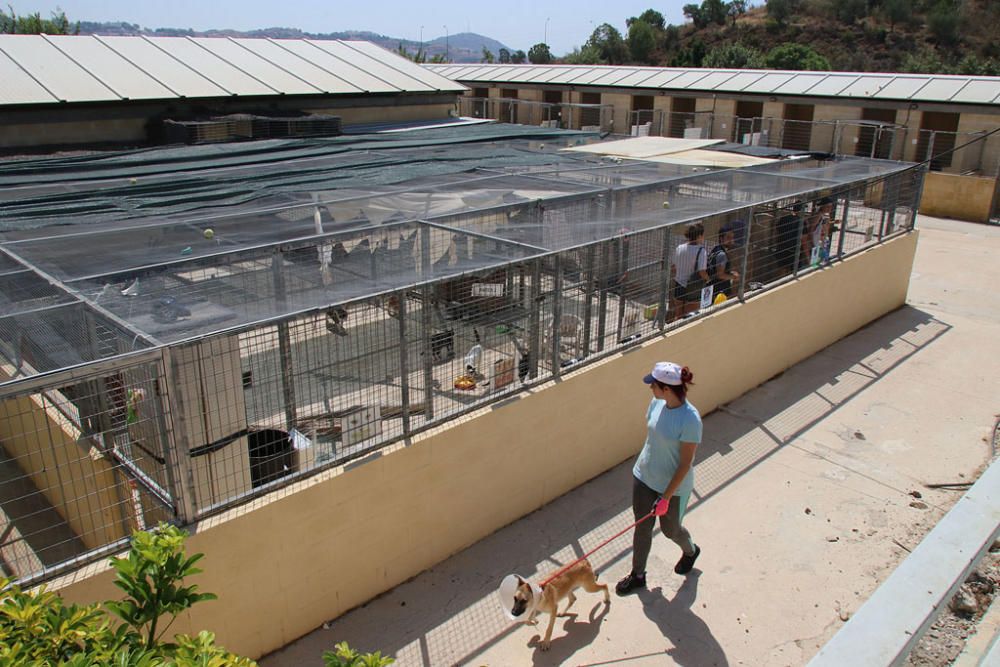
(809, 490)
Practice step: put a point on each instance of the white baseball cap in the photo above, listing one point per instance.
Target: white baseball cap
(665, 372)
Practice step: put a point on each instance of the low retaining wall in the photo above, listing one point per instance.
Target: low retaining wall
(285, 563)
(958, 197)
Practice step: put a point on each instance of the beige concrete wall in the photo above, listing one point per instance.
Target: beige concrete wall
(350, 116)
(622, 104)
(299, 556)
(74, 132)
(990, 152)
(133, 130)
(80, 485)
(823, 136)
(532, 94)
(703, 104)
(958, 197)
(725, 112)
(913, 125)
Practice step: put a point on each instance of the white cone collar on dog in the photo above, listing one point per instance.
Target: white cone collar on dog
(508, 587)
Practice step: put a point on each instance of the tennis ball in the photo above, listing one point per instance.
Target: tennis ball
(133, 181)
(209, 233)
(666, 204)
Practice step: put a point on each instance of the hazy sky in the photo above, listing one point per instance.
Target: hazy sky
(516, 23)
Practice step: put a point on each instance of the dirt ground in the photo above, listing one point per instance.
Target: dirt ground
(946, 638)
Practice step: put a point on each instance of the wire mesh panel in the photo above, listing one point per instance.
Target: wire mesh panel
(303, 336)
(83, 463)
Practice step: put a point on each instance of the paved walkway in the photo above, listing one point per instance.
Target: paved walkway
(809, 489)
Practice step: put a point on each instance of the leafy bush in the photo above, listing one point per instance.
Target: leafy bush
(849, 12)
(38, 628)
(734, 56)
(345, 656)
(780, 10)
(943, 22)
(539, 54)
(796, 57)
(641, 41)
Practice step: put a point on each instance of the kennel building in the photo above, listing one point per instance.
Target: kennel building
(184, 329)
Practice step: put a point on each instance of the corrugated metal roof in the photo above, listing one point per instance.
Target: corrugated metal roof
(160, 65)
(880, 85)
(38, 69)
(64, 79)
(121, 76)
(18, 86)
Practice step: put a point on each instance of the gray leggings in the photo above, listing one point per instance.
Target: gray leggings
(643, 499)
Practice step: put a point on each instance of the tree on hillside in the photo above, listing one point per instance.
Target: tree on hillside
(608, 44)
(518, 57)
(781, 10)
(849, 12)
(734, 56)
(693, 12)
(503, 56)
(796, 57)
(708, 12)
(540, 54)
(736, 9)
(690, 56)
(654, 19)
(943, 22)
(488, 56)
(34, 24)
(896, 11)
(641, 41)
(585, 55)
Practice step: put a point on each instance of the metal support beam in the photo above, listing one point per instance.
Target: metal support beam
(557, 317)
(404, 365)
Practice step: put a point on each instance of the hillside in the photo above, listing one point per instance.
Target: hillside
(943, 36)
(461, 47)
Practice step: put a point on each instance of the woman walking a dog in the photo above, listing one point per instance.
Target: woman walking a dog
(662, 473)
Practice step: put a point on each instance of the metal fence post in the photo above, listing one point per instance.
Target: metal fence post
(284, 343)
(557, 317)
(602, 297)
(661, 305)
(427, 326)
(588, 304)
(919, 196)
(798, 243)
(746, 255)
(404, 365)
(843, 225)
(534, 317)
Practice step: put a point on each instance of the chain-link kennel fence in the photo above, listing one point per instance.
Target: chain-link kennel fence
(184, 329)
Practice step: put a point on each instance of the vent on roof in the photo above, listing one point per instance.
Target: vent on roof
(236, 127)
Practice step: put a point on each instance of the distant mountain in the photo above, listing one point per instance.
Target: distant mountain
(463, 47)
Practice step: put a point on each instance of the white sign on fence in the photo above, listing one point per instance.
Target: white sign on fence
(706, 296)
(487, 289)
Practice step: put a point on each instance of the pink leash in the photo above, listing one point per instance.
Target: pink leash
(624, 530)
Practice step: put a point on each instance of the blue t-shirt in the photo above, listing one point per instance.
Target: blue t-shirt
(666, 429)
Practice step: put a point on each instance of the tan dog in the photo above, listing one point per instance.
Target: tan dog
(580, 574)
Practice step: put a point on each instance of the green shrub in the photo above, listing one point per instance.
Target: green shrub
(345, 656)
(38, 628)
